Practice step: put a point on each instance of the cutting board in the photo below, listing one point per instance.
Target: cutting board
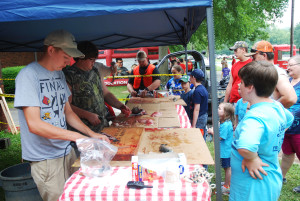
(181, 140)
(167, 117)
(128, 141)
(135, 121)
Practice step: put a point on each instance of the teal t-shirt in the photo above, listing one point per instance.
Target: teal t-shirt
(262, 131)
(240, 109)
(226, 133)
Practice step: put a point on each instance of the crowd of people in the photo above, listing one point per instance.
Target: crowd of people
(266, 104)
(59, 105)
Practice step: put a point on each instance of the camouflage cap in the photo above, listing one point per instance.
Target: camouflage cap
(238, 44)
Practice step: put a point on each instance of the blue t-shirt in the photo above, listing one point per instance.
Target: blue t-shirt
(240, 109)
(226, 133)
(260, 131)
(187, 97)
(38, 87)
(200, 96)
(175, 86)
(225, 71)
(295, 110)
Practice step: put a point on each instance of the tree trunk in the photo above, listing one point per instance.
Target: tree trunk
(163, 51)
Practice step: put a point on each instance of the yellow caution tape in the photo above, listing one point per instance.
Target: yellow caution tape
(8, 95)
(123, 99)
(152, 75)
(7, 79)
(124, 76)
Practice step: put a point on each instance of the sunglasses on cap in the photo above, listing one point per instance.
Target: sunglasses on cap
(256, 51)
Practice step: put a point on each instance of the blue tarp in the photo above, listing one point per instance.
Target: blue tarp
(108, 23)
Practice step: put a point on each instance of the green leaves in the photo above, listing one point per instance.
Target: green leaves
(238, 20)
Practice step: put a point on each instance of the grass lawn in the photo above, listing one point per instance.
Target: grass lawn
(119, 92)
(12, 156)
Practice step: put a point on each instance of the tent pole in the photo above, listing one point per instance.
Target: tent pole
(292, 30)
(213, 81)
(186, 61)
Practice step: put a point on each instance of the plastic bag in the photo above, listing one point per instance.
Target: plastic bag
(164, 165)
(95, 156)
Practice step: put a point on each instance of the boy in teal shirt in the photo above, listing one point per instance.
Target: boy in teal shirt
(258, 137)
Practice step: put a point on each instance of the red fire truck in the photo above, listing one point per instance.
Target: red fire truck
(282, 54)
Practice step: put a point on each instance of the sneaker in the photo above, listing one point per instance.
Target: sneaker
(284, 181)
(297, 189)
(225, 190)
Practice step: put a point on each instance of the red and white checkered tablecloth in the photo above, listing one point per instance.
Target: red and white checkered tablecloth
(113, 187)
(183, 117)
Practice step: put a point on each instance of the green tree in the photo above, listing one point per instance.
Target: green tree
(297, 35)
(278, 36)
(238, 20)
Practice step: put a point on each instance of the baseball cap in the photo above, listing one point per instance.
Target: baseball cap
(260, 46)
(198, 74)
(141, 55)
(64, 40)
(238, 44)
(185, 78)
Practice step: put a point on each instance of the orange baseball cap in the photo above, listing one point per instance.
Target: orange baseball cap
(260, 46)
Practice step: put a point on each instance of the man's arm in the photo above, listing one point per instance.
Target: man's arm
(93, 118)
(195, 115)
(154, 85)
(44, 129)
(74, 121)
(253, 163)
(151, 87)
(131, 90)
(41, 128)
(228, 89)
(284, 92)
(113, 101)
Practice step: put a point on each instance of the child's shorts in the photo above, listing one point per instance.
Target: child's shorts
(291, 144)
(225, 162)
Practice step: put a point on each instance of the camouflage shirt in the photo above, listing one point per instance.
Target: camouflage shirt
(87, 93)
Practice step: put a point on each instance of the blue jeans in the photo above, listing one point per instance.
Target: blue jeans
(201, 123)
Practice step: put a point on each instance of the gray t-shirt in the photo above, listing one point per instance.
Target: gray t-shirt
(39, 87)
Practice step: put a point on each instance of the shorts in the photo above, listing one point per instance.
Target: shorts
(201, 123)
(49, 175)
(225, 162)
(291, 144)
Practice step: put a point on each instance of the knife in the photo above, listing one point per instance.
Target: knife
(110, 137)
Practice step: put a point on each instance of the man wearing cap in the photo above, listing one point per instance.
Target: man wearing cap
(142, 85)
(240, 48)
(89, 91)
(41, 97)
(284, 91)
(199, 101)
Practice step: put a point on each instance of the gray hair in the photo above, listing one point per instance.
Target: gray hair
(296, 58)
